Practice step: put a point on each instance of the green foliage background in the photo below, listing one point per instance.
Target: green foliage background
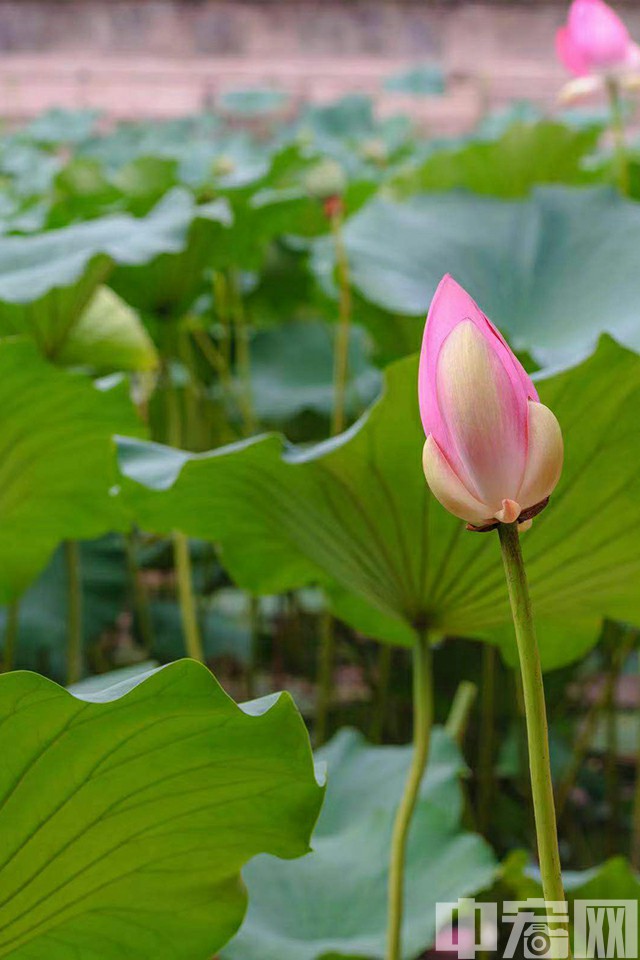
(172, 303)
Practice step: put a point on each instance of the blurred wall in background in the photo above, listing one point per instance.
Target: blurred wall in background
(162, 58)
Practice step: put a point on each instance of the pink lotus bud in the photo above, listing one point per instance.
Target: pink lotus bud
(493, 451)
(460, 940)
(594, 40)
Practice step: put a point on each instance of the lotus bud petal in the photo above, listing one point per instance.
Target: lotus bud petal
(493, 451)
(578, 88)
(594, 39)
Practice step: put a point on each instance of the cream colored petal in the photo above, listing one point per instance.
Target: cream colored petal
(544, 460)
(484, 408)
(580, 87)
(448, 488)
(509, 513)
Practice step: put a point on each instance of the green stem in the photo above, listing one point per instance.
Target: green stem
(140, 598)
(535, 713)
(463, 701)
(221, 298)
(181, 555)
(190, 393)
(249, 427)
(341, 350)
(173, 411)
(487, 729)
(243, 355)
(326, 653)
(186, 597)
(11, 636)
(214, 357)
(422, 723)
(326, 658)
(617, 129)
(74, 612)
(523, 777)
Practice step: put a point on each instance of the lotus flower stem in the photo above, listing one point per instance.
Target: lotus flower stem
(460, 711)
(190, 399)
(422, 724)
(243, 354)
(74, 612)
(186, 597)
(617, 129)
(535, 713)
(221, 298)
(214, 357)
(341, 351)
(523, 777)
(11, 636)
(139, 595)
(181, 555)
(326, 653)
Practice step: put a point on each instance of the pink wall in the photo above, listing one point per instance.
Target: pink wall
(163, 58)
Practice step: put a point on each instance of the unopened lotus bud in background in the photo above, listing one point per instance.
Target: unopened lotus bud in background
(493, 452)
(325, 179)
(594, 40)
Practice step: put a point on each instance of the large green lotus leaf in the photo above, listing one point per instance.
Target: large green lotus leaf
(167, 285)
(58, 126)
(47, 280)
(425, 79)
(108, 336)
(57, 464)
(553, 271)
(348, 118)
(261, 215)
(82, 191)
(525, 155)
(89, 688)
(292, 370)
(614, 879)
(356, 511)
(611, 881)
(285, 200)
(144, 180)
(253, 102)
(27, 170)
(334, 902)
(128, 815)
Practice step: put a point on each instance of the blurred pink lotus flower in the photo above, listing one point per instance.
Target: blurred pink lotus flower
(460, 941)
(595, 45)
(493, 452)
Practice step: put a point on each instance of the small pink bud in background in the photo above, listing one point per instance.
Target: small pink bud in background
(460, 940)
(594, 40)
(493, 451)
